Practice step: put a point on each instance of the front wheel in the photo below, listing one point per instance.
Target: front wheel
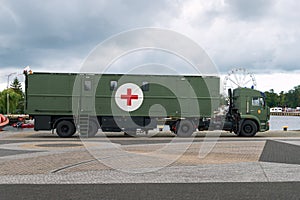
(65, 129)
(184, 128)
(248, 129)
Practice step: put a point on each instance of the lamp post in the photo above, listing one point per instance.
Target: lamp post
(7, 96)
(7, 101)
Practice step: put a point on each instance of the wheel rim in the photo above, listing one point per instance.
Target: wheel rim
(248, 129)
(185, 129)
(64, 129)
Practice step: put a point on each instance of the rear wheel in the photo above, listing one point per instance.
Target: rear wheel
(248, 129)
(184, 128)
(65, 129)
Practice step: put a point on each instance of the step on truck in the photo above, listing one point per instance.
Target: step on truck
(85, 103)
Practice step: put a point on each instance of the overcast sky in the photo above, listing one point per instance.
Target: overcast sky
(262, 36)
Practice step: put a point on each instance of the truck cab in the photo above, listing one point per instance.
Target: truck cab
(253, 111)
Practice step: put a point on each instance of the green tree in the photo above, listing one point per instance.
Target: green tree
(292, 97)
(282, 99)
(16, 86)
(272, 98)
(14, 101)
(297, 96)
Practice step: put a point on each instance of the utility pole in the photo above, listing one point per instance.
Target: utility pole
(7, 101)
(7, 96)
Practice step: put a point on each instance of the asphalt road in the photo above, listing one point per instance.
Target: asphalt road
(283, 190)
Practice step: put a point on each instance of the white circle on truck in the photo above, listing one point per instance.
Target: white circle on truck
(129, 97)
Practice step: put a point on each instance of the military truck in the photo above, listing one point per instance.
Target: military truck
(71, 102)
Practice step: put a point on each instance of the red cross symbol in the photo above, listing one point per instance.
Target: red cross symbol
(129, 96)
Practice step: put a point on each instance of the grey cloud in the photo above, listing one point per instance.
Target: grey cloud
(44, 30)
(259, 35)
(250, 9)
(74, 22)
(60, 34)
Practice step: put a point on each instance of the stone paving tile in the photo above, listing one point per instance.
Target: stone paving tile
(223, 152)
(42, 164)
(220, 154)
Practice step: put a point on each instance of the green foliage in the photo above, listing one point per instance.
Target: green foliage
(290, 99)
(16, 86)
(15, 96)
(14, 101)
(272, 99)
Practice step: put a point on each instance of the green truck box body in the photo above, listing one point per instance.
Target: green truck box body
(64, 93)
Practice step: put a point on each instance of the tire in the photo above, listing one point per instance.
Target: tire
(184, 128)
(248, 129)
(65, 129)
(93, 128)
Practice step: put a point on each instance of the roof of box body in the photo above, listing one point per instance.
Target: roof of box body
(169, 75)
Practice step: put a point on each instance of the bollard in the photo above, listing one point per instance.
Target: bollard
(285, 128)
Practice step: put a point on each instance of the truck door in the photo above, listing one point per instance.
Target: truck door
(87, 97)
(86, 117)
(258, 108)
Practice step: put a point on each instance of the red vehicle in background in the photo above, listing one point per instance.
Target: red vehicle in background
(22, 124)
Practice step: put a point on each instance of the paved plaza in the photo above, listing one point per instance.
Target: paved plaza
(41, 157)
